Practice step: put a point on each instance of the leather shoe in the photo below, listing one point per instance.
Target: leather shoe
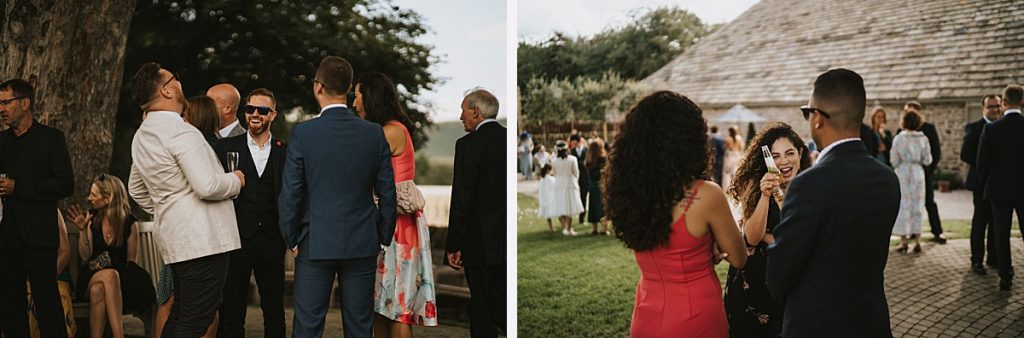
(940, 238)
(1004, 284)
(978, 269)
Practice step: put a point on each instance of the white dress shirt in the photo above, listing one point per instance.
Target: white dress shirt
(1011, 111)
(260, 155)
(224, 132)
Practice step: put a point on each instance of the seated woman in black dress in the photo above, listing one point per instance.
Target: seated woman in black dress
(110, 239)
(750, 308)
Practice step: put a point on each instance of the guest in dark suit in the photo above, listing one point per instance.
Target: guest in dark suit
(999, 164)
(579, 149)
(826, 265)
(718, 146)
(334, 165)
(476, 224)
(38, 172)
(261, 160)
(982, 219)
(929, 174)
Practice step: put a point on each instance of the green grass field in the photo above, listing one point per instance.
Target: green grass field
(584, 286)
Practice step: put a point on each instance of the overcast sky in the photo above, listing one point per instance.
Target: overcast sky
(470, 37)
(538, 19)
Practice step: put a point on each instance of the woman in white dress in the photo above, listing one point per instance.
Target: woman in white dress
(733, 153)
(566, 202)
(910, 152)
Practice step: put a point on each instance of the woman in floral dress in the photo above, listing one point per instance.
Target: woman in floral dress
(751, 310)
(404, 295)
(910, 152)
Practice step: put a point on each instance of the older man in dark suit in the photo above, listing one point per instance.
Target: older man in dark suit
(334, 165)
(37, 166)
(826, 265)
(982, 219)
(477, 224)
(999, 169)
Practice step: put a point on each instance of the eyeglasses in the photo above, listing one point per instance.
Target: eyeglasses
(173, 77)
(249, 109)
(8, 101)
(996, 106)
(808, 110)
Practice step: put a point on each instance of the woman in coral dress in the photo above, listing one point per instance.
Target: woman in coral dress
(404, 294)
(671, 217)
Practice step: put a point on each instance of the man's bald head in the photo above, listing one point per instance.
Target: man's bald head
(840, 93)
(227, 98)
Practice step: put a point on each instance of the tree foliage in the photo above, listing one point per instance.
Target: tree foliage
(587, 78)
(275, 44)
(633, 51)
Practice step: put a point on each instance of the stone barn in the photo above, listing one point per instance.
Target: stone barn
(946, 54)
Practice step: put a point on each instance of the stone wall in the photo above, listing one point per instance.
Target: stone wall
(948, 116)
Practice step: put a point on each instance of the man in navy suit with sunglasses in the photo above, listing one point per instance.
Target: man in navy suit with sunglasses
(334, 166)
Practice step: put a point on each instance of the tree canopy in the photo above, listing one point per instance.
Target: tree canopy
(275, 44)
(586, 78)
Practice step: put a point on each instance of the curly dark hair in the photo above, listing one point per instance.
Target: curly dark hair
(381, 102)
(748, 175)
(661, 148)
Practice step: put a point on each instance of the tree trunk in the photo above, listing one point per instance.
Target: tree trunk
(72, 52)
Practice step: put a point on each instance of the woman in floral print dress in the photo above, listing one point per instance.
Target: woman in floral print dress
(751, 310)
(404, 295)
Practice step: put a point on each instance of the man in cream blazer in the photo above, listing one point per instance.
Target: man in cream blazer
(176, 176)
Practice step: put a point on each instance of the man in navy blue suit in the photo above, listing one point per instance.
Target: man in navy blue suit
(334, 165)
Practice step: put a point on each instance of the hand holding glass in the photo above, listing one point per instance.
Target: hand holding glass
(232, 161)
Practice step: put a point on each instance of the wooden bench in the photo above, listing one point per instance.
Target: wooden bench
(149, 259)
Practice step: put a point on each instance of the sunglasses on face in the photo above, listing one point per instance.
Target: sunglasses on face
(249, 109)
(808, 110)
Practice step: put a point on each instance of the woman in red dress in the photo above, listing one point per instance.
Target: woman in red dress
(663, 207)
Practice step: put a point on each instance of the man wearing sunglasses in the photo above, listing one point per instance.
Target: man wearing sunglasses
(35, 159)
(831, 245)
(982, 219)
(227, 97)
(176, 177)
(261, 159)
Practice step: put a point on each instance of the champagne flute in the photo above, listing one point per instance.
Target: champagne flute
(232, 161)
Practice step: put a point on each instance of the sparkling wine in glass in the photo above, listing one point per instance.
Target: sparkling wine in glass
(773, 169)
(232, 161)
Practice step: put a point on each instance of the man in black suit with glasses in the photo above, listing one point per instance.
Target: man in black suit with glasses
(999, 168)
(981, 222)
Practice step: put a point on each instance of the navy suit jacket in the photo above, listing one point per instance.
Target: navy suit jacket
(333, 166)
(827, 263)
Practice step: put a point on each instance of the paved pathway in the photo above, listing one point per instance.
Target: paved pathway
(934, 294)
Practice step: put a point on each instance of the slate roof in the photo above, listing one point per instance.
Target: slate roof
(904, 49)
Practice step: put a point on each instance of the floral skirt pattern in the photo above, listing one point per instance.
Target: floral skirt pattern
(405, 276)
(751, 310)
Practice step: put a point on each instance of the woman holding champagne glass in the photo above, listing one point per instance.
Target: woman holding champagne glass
(751, 310)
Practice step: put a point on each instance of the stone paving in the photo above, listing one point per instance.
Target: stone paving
(934, 294)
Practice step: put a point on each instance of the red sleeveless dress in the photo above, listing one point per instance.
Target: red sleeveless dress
(405, 280)
(679, 294)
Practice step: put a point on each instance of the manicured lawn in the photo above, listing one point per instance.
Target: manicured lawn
(584, 286)
(579, 286)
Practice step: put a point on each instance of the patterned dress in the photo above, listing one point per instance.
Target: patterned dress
(751, 310)
(405, 275)
(910, 153)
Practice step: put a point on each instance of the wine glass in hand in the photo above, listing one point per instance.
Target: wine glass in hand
(232, 161)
